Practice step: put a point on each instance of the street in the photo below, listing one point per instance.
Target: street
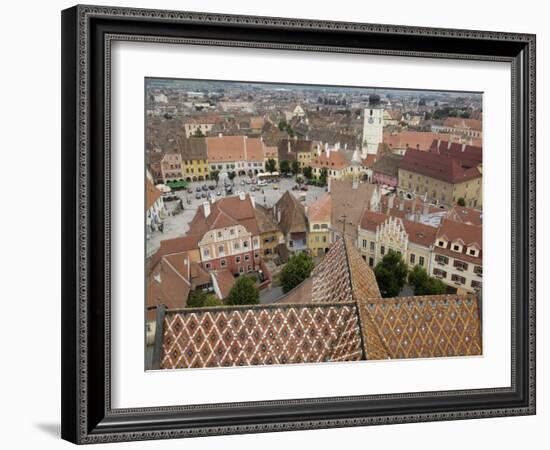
(177, 225)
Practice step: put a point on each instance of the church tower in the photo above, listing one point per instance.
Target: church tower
(373, 124)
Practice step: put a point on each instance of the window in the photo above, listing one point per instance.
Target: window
(206, 253)
(382, 250)
(478, 270)
(440, 273)
(241, 269)
(372, 246)
(316, 226)
(246, 257)
(371, 261)
(461, 265)
(249, 268)
(440, 259)
(219, 234)
(255, 242)
(458, 279)
(441, 243)
(237, 259)
(231, 231)
(236, 246)
(223, 263)
(208, 265)
(421, 261)
(256, 254)
(476, 284)
(245, 244)
(364, 243)
(456, 247)
(221, 250)
(412, 258)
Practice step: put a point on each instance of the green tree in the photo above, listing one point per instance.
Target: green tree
(198, 133)
(461, 202)
(308, 172)
(295, 167)
(200, 299)
(282, 125)
(244, 292)
(231, 175)
(215, 175)
(270, 165)
(424, 284)
(297, 269)
(323, 176)
(284, 166)
(391, 274)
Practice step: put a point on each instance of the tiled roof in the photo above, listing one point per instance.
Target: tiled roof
(388, 165)
(320, 209)
(465, 215)
(152, 193)
(225, 212)
(224, 280)
(458, 122)
(335, 160)
(438, 166)
(421, 140)
(293, 214)
(261, 335)
(341, 276)
(350, 200)
(421, 327)
(368, 161)
(466, 155)
(371, 329)
(175, 245)
(168, 283)
(193, 148)
(288, 148)
(470, 235)
(265, 220)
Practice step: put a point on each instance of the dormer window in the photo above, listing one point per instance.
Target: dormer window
(441, 243)
(473, 251)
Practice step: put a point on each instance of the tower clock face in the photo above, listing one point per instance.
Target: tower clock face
(371, 120)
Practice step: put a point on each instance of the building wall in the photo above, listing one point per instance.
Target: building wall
(195, 168)
(382, 178)
(269, 242)
(191, 128)
(171, 167)
(441, 192)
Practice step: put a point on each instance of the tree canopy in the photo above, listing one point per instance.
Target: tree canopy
(200, 299)
(391, 274)
(424, 284)
(270, 165)
(295, 167)
(297, 269)
(284, 166)
(244, 292)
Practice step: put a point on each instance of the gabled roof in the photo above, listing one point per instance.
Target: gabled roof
(152, 193)
(265, 220)
(335, 160)
(320, 209)
(420, 140)
(458, 122)
(438, 166)
(351, 200)
(168, 283)
(470, 235)
(224, 280)
(388, 164)
(193, 148)
(371, 329)
(420, 327)
(175, 245)
(465, 215)
(341, 276)
(225, 212)
(292, 214)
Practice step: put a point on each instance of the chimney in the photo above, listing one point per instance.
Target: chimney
(401, 205)
(206, 208)
(252, 201)
(220, 134)
(355, 183)
(425, 209)
(328, 184)
(242, 195)
(288, 146)
(327, 151)
(390, 203)
(278, 215)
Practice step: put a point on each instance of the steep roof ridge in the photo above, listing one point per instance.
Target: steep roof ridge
(366, 321)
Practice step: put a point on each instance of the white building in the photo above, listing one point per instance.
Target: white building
(373, 126)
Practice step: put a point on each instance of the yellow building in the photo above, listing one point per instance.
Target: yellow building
(194, 159)
(441, 179)
(318, 215)
(294, 149)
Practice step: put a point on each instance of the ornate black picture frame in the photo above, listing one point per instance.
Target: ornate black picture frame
(87, 34)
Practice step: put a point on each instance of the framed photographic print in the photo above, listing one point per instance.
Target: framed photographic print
(255, 207)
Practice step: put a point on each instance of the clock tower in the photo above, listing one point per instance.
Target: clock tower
(373, 124)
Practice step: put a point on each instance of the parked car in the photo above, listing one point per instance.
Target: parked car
(218, 193)
(204, 195)
(204, 187)
(189, 190)
(197, 196)
(198, 189)
(211, 187)
(303, 188)
(275, 186)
